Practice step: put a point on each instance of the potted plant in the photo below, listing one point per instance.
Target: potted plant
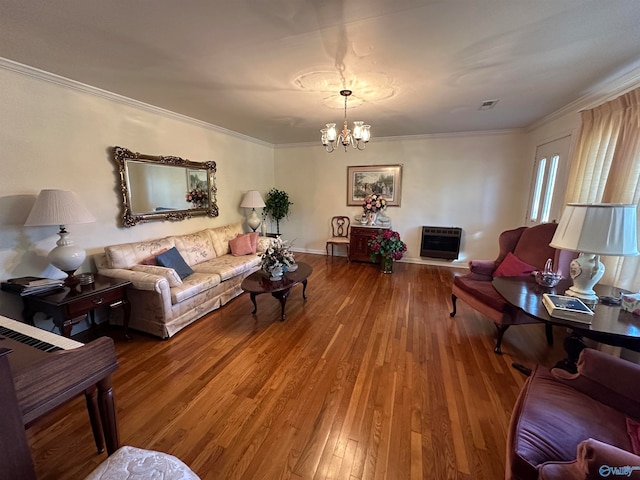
(276, 205)
(388, 245)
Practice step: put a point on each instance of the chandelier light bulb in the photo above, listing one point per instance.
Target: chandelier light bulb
(331, 132)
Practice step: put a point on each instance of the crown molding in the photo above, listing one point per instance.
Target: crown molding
(49, 77)
(603, 91)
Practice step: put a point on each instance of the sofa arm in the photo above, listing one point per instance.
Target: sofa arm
(611, 380)
(484, 268)
(140, 280)
(594, 460)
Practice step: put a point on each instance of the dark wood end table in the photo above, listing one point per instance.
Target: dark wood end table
(69, 303)
(610, 324)
(258, 283)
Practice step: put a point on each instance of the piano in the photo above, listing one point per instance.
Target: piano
(47, 370)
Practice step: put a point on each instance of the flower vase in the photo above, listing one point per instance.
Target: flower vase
(372, 218)
(275, 273)
(386, 265)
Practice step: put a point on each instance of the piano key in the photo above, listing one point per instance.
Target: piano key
(37, 334)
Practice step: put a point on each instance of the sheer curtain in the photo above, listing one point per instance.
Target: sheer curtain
(606, 169)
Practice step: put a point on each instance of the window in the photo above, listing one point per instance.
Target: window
(547, 192)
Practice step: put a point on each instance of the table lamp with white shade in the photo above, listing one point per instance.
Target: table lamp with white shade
(594, 229)
(252, 199)
(61, 207)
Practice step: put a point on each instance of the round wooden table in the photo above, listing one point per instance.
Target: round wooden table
(259, 282)
(610, 324)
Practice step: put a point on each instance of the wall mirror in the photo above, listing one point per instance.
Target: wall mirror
(164, 188)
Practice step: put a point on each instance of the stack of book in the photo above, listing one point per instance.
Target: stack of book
(31, 285)
(567, 308)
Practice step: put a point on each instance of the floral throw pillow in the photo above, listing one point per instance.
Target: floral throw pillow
(512, 266)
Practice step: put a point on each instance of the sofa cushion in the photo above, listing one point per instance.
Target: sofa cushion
(228, 266)
(126, 255)
(483, 290)
(195, 247)
(220, 237)
(551, 423)
(244, 244)
(193, 285)
(172, 259)
(512, 266)
(169, 273)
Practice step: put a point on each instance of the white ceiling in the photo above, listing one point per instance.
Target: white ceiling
(273, 69)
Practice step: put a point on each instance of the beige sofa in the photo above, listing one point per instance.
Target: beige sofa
(161, 303)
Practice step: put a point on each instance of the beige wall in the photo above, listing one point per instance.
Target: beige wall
(475, 181)
(55, 135)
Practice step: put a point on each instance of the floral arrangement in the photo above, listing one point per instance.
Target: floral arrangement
(196, 196)
(277, 255)
(387, 244)
(374, 203)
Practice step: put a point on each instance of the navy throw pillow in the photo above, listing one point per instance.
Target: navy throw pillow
(172, 259)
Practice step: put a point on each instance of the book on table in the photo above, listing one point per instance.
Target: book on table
(567, 308)
(30, 285)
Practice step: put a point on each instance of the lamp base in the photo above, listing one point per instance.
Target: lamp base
(587, 299)
(67, 256)
(71, 280)
(586, 271)
(254, 221)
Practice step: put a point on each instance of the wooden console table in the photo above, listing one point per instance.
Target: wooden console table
(358, 244)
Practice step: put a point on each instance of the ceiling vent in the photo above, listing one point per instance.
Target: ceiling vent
(488, 104)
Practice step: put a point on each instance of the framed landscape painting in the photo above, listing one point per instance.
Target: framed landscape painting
(385, 180)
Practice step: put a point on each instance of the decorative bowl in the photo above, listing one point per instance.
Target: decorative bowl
(547, 279)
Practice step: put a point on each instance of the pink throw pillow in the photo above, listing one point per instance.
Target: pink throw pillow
(241, 245)
(254, 241)
(633, 429)
(152, 259)
(512, 266)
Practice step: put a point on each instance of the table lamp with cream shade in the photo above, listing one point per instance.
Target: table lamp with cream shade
(61, 207)
(594, 229)
(252, 199)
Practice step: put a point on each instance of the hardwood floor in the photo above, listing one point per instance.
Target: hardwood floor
(369, 378)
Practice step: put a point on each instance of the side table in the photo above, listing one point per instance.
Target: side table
(69, 303)
(359, 237)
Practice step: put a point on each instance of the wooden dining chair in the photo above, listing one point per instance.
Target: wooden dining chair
(339, 233)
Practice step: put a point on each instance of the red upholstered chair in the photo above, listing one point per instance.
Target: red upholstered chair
(531, 246)
(581, 426)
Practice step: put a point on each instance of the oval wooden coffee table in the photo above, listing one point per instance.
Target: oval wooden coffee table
(258, 283)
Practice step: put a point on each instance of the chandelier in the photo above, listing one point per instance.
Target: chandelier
(358, 139)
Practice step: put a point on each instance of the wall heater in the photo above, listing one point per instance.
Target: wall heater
(441, 242)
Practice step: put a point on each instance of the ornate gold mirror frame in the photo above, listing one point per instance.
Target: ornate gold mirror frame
(156, 187)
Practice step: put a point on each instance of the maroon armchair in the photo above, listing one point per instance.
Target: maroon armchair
(530, 245)
(581, 426)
